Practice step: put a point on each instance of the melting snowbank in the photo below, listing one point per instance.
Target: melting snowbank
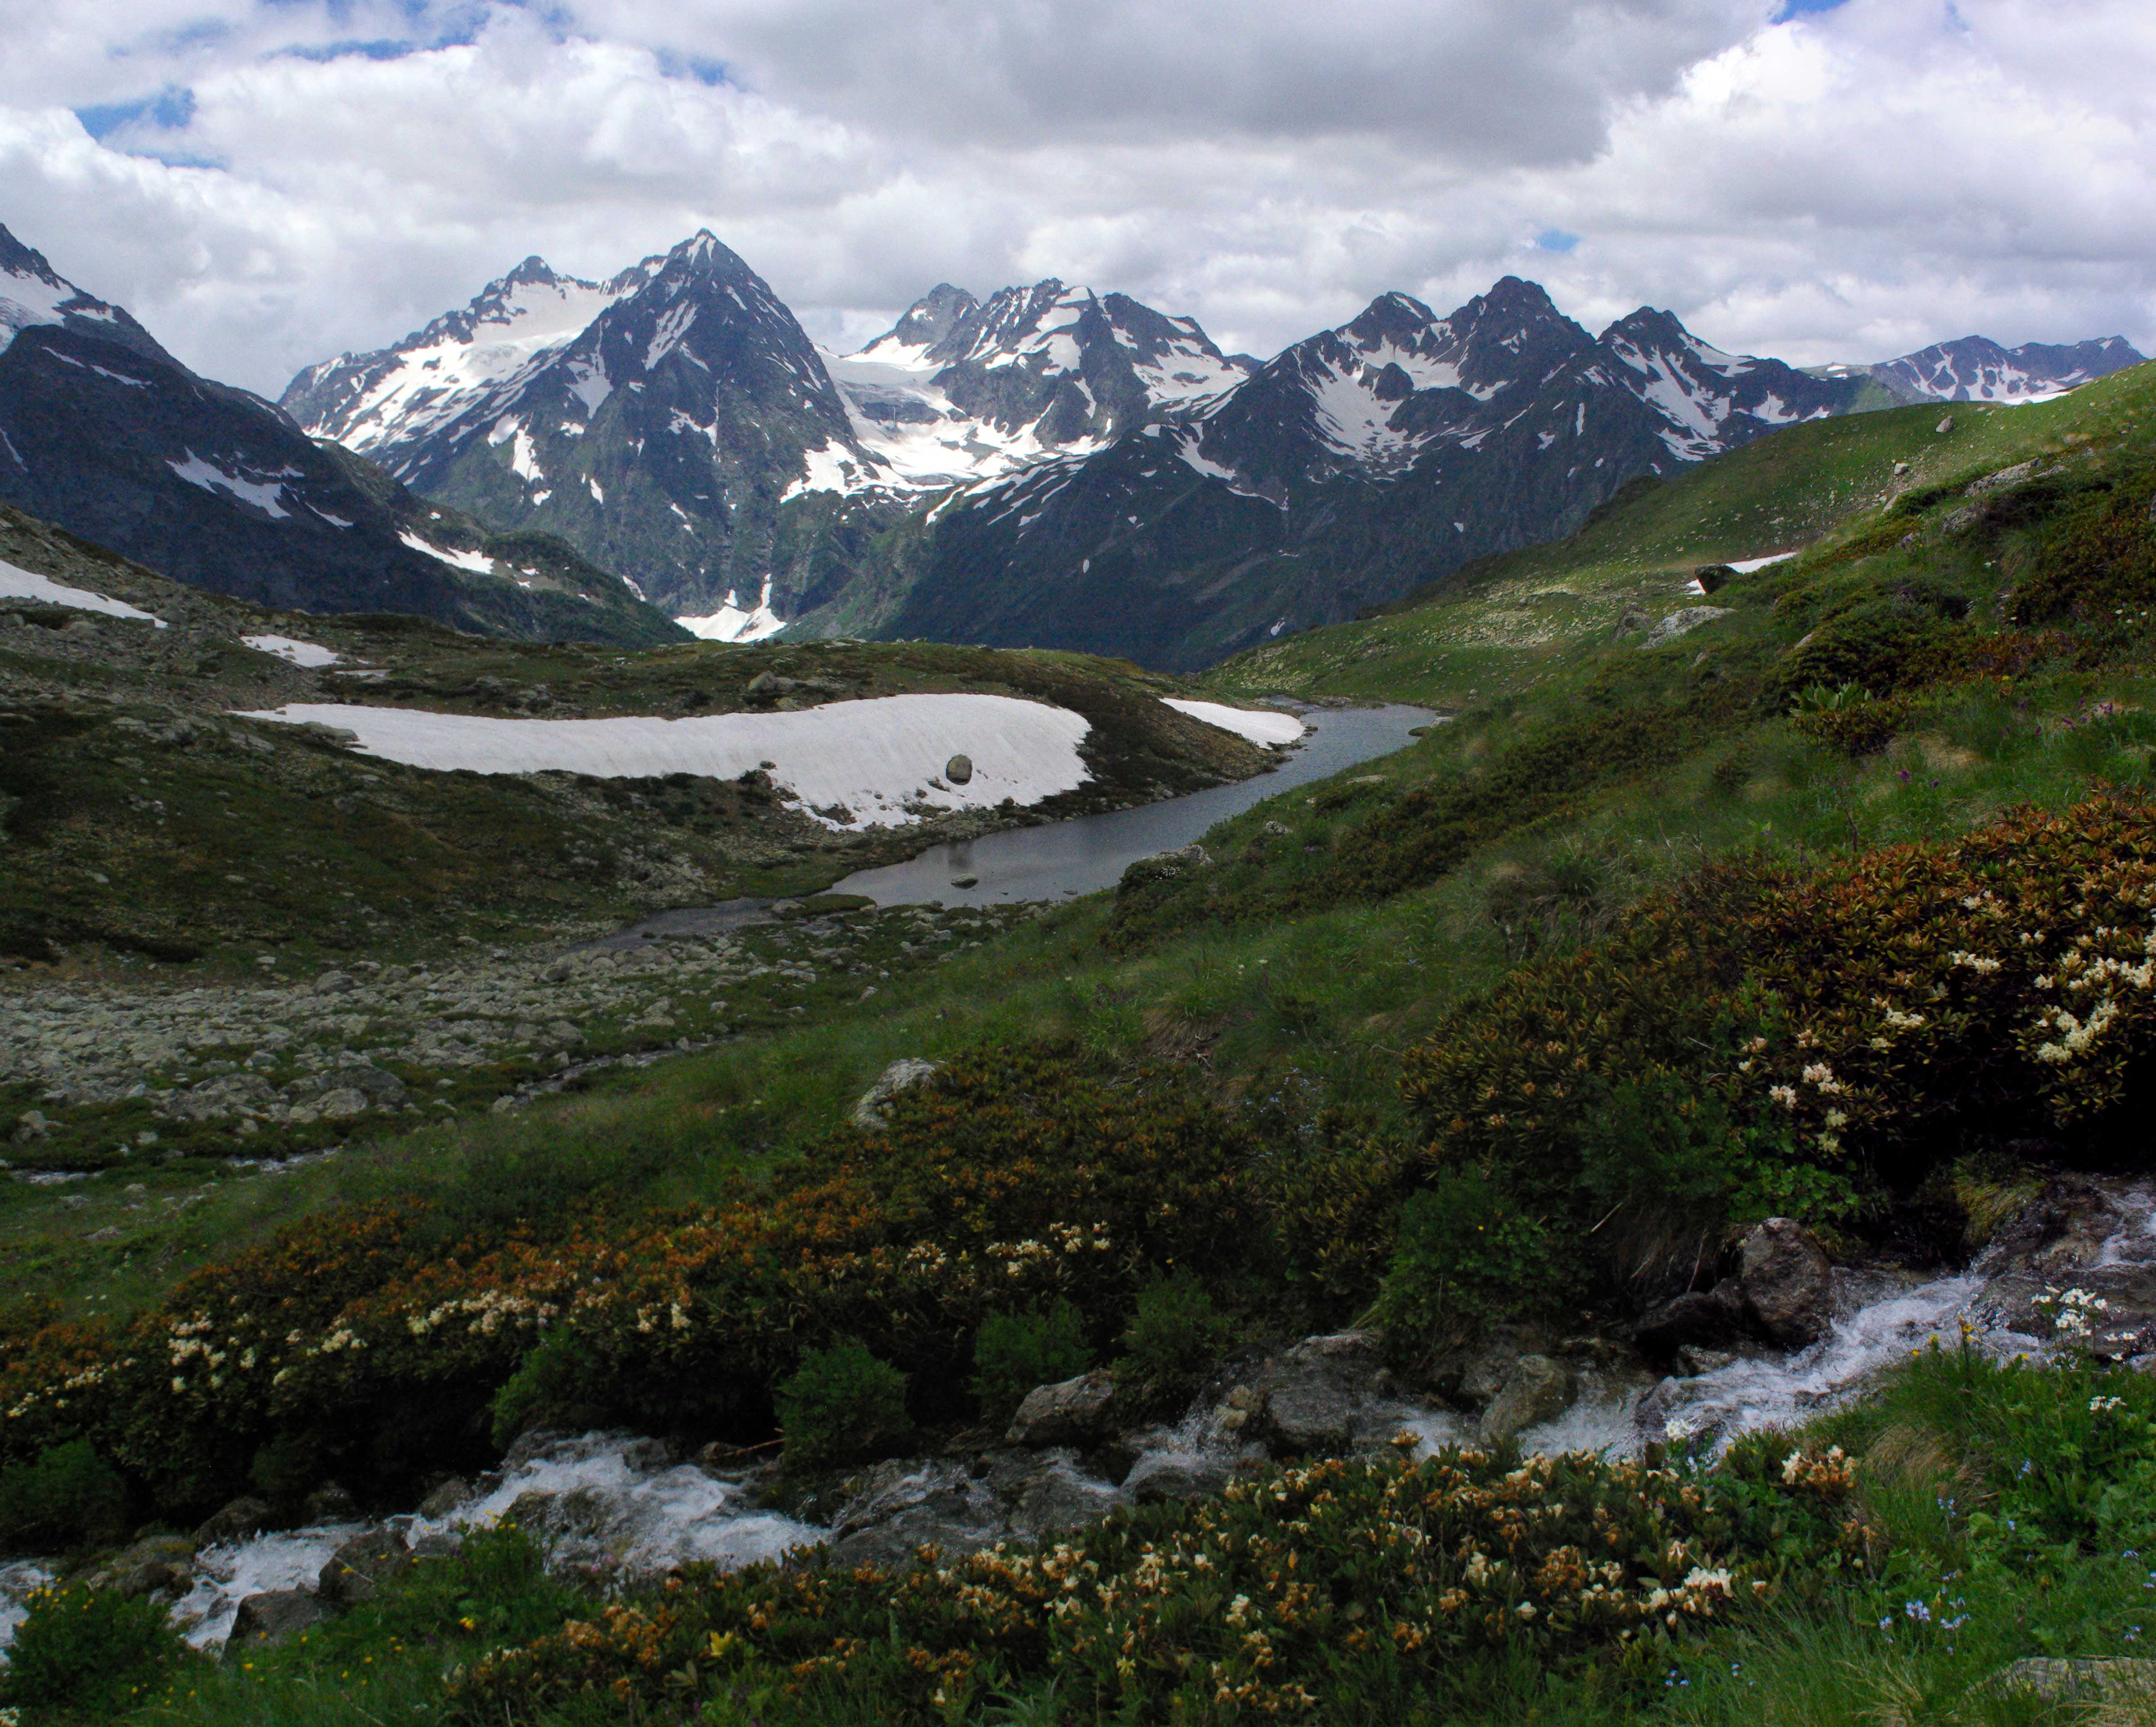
(17, 584)
(875, 756)
(1275, 731)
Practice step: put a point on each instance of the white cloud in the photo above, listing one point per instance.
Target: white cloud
(1849, 185)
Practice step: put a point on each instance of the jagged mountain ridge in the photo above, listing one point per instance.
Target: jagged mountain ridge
(1975, 368)
(106, 434)
(691, 435)
(1351, 467)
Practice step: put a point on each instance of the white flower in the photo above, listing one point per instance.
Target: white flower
(1786, 1096)
(2101, 1405)
(1677, 1429)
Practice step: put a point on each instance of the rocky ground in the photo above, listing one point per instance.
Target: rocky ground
(115, 1070)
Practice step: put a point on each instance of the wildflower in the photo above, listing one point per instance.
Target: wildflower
(2104, 1405)
(1918, 1610)
(1786, 1096)
(1676, 1430)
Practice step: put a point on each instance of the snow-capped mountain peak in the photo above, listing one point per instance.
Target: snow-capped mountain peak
(30, 293)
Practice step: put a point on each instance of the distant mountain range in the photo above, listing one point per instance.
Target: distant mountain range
(104, 432)
(1055, 465)
(1048, 466)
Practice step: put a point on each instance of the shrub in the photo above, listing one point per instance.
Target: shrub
(1465, 1254)
(1350, 1591)
(89, 1650)
(555, 1385)
(1014, 1352)
(69, 1496)
(1175, 1337)
(1750, 1040)
(842, 1405)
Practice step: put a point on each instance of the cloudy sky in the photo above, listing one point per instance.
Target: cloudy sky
(266, 182)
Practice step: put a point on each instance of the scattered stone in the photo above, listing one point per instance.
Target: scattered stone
(965, 881)
(1074, 1412)
(1944, 426)
(1678, 623)
(1632, 621)
(1536, 1389)
(343, 1104)
(2004, 478)
(1045, 1494)
(873, 1109)
(1786, 1282)
(958, 769)
(270, 1617)
(154, 1563)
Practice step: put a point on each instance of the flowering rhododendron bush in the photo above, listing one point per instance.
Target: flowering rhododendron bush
(1011, 1182)
(1319, 1592)
(1755, 1042)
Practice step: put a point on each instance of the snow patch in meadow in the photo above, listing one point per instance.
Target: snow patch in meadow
(301, 653)
(1275, 731)
(1745, 566)
(21, 585)
(875, 757)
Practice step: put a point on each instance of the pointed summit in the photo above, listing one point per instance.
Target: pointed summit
(927, 322)
(32, 293)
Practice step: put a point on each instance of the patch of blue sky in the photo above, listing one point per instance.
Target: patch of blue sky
(1798, 9)
(170, 109)
(1555, 239)
(697, 66)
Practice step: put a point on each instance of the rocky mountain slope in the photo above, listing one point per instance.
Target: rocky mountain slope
(105, 432)
(1354, 465)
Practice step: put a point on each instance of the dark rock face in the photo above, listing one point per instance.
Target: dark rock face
(1785, 1282)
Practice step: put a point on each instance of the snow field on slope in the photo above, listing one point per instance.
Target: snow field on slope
(1274, 731)
(874, 755)
(730, 622)
(21, 585)
(291, 648)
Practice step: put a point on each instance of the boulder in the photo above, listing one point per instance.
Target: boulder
(2125, 1682)
(357, 1571)
(1313, 1393)
(155, 1563)
(446, 1498)
(958, 769)
(234, 1521)
(341, 1104)
(273, 1616)
(873, 1108)
(898, 1507)
(1074, 1412)
(1159, 1477)
(1944, 426)
(1711, 1319)
(1046, 1494)
(330, 1503)
(1785, 1282)
(1536, 1389)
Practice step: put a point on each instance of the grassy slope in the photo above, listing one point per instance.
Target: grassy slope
(1291, 1014)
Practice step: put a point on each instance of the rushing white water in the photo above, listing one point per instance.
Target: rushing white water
(226, 1575)
(616, 1502)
